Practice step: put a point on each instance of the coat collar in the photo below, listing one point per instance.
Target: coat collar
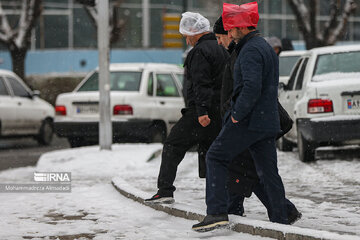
(209, 36)
(242, 42)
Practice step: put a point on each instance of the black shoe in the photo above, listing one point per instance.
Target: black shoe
(239, 210)
(212, 222)
(293, 216)
(160, 199)
(241, 214)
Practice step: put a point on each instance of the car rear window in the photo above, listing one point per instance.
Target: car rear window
(119, 81)
(286, 64)
(335, 66)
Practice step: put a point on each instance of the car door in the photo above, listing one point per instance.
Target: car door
(168, 97)
(8, 120)
(288, 97)
(28, 114)
(298, 93)
(150, 103)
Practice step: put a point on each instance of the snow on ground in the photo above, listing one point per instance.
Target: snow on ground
(94, 209)
(327, 192)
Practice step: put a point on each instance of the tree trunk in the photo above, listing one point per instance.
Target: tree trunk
(313, 42)
(18, 61)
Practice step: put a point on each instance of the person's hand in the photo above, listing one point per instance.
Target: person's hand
(204, 120)
(233, 120)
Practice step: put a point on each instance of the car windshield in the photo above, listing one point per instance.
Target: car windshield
(286, 64)
(120, 81)
(337, 66)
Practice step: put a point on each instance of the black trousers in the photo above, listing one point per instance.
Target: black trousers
(233, 139)
(186, 133)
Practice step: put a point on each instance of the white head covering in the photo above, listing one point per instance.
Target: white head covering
(193, 23)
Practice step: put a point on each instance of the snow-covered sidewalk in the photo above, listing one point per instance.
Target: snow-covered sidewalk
(326, 192)
(94, 209)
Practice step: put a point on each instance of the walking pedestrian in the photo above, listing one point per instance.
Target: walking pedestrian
(251, 123)
(276, 44)
(243, 178)
(201, 121)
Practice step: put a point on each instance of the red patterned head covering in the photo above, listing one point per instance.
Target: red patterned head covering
(244, 15)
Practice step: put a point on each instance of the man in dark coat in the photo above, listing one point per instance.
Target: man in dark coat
(252, 122)
(201, 121)
(243, 178)
(236, 200)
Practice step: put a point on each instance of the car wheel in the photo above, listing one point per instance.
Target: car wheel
(76, 142)
(46, 133)
(284, 145)
(306, 149)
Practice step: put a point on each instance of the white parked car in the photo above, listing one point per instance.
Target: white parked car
(22, 112)
(323, 98)
(287, 60)
(145, 98)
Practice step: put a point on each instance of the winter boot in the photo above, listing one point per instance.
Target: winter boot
(212, 222)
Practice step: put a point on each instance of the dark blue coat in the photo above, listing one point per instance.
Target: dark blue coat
(256, 79)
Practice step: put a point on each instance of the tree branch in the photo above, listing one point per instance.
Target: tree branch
(302, 15)
(339, 31)
(6, 33)
(31, 10)
(22, 24)
(312, 17)
(92, 13)
(331, 24)
(3, 38)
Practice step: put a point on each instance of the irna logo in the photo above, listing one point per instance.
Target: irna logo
(52, 176)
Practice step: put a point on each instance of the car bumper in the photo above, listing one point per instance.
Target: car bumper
(331, 131)
(91, 129)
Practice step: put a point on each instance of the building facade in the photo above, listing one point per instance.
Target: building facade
(66, 26)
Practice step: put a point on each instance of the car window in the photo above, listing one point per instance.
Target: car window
(166, 86)
(17, 88)
(150, 90)
(3, 90)
(119, 81)
(291, 82)
(180, 76)
(337, 65)
(300, 77)
(286, 64)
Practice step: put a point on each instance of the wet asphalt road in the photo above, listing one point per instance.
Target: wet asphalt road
(26, 151)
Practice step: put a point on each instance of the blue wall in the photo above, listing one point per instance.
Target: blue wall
(68, 61)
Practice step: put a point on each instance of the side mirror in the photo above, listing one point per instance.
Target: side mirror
(36, 93)
(282, 86)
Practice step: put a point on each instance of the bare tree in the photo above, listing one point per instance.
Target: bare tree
(335, 27)
(116, 24)
(18, 39)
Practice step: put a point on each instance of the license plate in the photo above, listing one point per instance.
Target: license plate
(87, 109)
(353, 104)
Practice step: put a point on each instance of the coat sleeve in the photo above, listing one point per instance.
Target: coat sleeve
(251, 67)
(226, 88)
(202, 82)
